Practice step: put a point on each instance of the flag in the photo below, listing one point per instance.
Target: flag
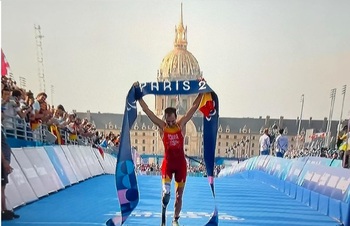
(207, 104)
(35, 124)
(101, 151)
(4, 64)
(55, 131)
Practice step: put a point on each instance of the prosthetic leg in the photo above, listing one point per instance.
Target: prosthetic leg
(165, 201)
(176, 222)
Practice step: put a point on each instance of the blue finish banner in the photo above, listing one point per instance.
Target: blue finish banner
(126, 182)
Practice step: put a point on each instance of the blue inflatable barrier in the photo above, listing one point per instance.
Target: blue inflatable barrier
(317, 182)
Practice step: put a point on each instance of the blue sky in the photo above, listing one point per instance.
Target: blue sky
(259, 56)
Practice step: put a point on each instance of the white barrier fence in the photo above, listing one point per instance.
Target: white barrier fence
(39, 171)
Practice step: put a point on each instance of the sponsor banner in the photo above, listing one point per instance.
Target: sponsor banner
(279, 167)
(324, 161)
(329, 181)
(295, 171)
(259, 163)
(57, 165)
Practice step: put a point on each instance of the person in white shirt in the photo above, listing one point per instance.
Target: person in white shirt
(264, 143)
(281, 144)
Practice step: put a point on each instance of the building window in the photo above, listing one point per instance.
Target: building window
(135, 141)
(252, 145)
(219, 143)
(226, 144)
(219, 151)
(253, 137)
(143, 141)
(135, 133)
(227, 136)
(186, 140)
(143, 148)
(143, 134)
(219, 136)
(235, 137)
(153, 141)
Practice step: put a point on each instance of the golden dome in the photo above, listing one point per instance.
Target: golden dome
(179, 63)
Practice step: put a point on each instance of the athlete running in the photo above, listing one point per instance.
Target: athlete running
(172, 132)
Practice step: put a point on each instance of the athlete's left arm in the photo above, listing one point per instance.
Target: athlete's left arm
(191, 111)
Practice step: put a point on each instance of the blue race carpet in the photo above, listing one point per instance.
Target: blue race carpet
(240, 202)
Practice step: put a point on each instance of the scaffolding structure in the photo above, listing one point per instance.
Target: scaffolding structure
(40, 57)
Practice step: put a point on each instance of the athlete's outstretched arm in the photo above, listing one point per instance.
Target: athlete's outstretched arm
(159, 122)
(191, 111)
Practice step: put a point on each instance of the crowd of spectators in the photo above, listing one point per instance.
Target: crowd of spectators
(29, 116)
(198, 169)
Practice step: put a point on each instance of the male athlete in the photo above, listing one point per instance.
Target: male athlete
(172, 132)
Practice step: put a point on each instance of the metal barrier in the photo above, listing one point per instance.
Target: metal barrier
(15, 127)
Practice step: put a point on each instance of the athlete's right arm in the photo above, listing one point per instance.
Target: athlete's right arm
(159, 122)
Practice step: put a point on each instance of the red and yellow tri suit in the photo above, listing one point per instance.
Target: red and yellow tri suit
(174, 161)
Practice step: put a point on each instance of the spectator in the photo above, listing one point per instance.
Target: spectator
(264, 143)
(342, 141)
(281, 144)
(6, 169)
(38, 111)
(345, 148)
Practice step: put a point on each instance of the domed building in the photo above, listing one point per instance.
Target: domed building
(178, 64)
(238, 138)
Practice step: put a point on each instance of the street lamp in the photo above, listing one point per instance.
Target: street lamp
(299, 123)
(343, 92)
(332, 96)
